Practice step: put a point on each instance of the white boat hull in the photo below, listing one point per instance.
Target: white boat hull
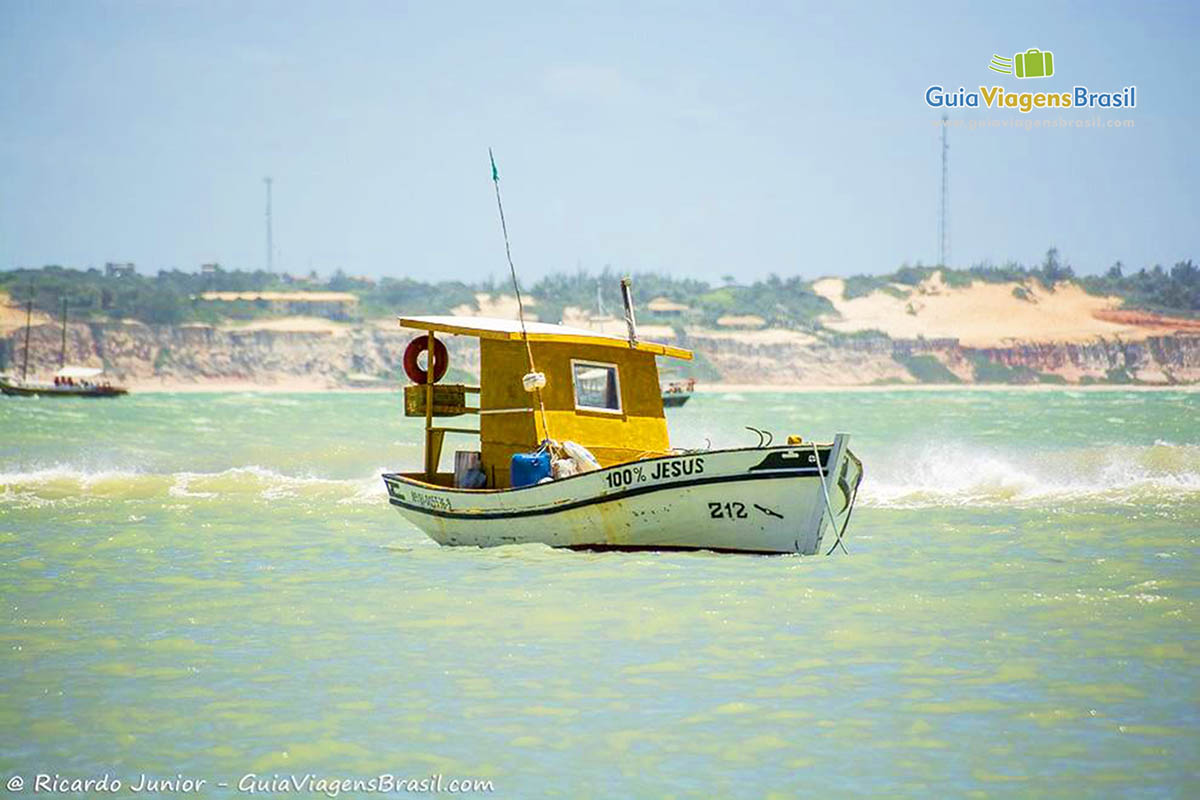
(23, 388)
(759, 500)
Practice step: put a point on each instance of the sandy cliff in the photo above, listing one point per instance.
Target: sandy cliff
(146, 355)
(931, 333)
(979, 315)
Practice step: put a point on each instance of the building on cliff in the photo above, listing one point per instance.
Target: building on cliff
(667, 308)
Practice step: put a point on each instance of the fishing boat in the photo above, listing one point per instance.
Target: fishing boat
(68, 381)
(573, 450)
(585, 462)
(676, 393)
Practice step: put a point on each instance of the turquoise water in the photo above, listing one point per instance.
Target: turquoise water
(214, 585)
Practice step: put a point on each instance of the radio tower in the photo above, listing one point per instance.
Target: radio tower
(943, 215)
(270, 244)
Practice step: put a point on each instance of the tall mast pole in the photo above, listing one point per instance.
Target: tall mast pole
(270, 243)
(534, 384)
(943, 222)
(28, 318)
(62, 352)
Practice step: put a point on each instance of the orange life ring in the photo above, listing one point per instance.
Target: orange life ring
(412, 368)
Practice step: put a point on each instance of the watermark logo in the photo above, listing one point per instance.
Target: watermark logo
(1033, 63)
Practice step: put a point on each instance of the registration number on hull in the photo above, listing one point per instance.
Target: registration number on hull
(429, 501)
(727, 511)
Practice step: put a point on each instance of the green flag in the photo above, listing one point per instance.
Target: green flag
(495, 172)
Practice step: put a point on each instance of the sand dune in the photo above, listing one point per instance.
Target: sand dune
(502, 306)
(12, 316)
(982, 314)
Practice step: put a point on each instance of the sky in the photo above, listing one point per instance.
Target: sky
(696, 139)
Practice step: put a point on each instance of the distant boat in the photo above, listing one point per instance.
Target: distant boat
(69, 381)
(677, 393)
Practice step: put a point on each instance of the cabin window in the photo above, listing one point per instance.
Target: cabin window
(597, 387)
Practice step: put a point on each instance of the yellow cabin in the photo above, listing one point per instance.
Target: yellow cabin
(601, 391)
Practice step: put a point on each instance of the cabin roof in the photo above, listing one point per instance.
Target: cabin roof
(490, 328)
(78, 372)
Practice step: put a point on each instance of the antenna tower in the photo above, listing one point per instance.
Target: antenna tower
(944, 212)
(270, 243)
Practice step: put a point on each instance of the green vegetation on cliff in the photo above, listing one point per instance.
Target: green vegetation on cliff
(1172, 291)
(927, 369)
(170, 296)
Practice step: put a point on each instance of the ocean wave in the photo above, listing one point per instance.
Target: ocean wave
(958, 474)
(924, 476)
(67, 483)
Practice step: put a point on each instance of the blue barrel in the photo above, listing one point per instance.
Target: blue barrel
(529, 468)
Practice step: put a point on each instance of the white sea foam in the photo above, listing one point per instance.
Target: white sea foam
(958, 474)
(40, 476)
(70, 482)
(930, 475)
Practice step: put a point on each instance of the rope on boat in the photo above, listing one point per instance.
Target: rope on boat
(846, 524)
(828, 504)
(517, 288)
(765, 438)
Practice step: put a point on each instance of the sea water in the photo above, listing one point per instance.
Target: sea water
(210, 587)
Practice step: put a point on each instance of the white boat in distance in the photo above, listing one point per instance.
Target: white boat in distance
(625, 488)
(69, 381)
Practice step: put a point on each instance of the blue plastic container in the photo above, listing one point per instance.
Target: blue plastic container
(529, 468)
